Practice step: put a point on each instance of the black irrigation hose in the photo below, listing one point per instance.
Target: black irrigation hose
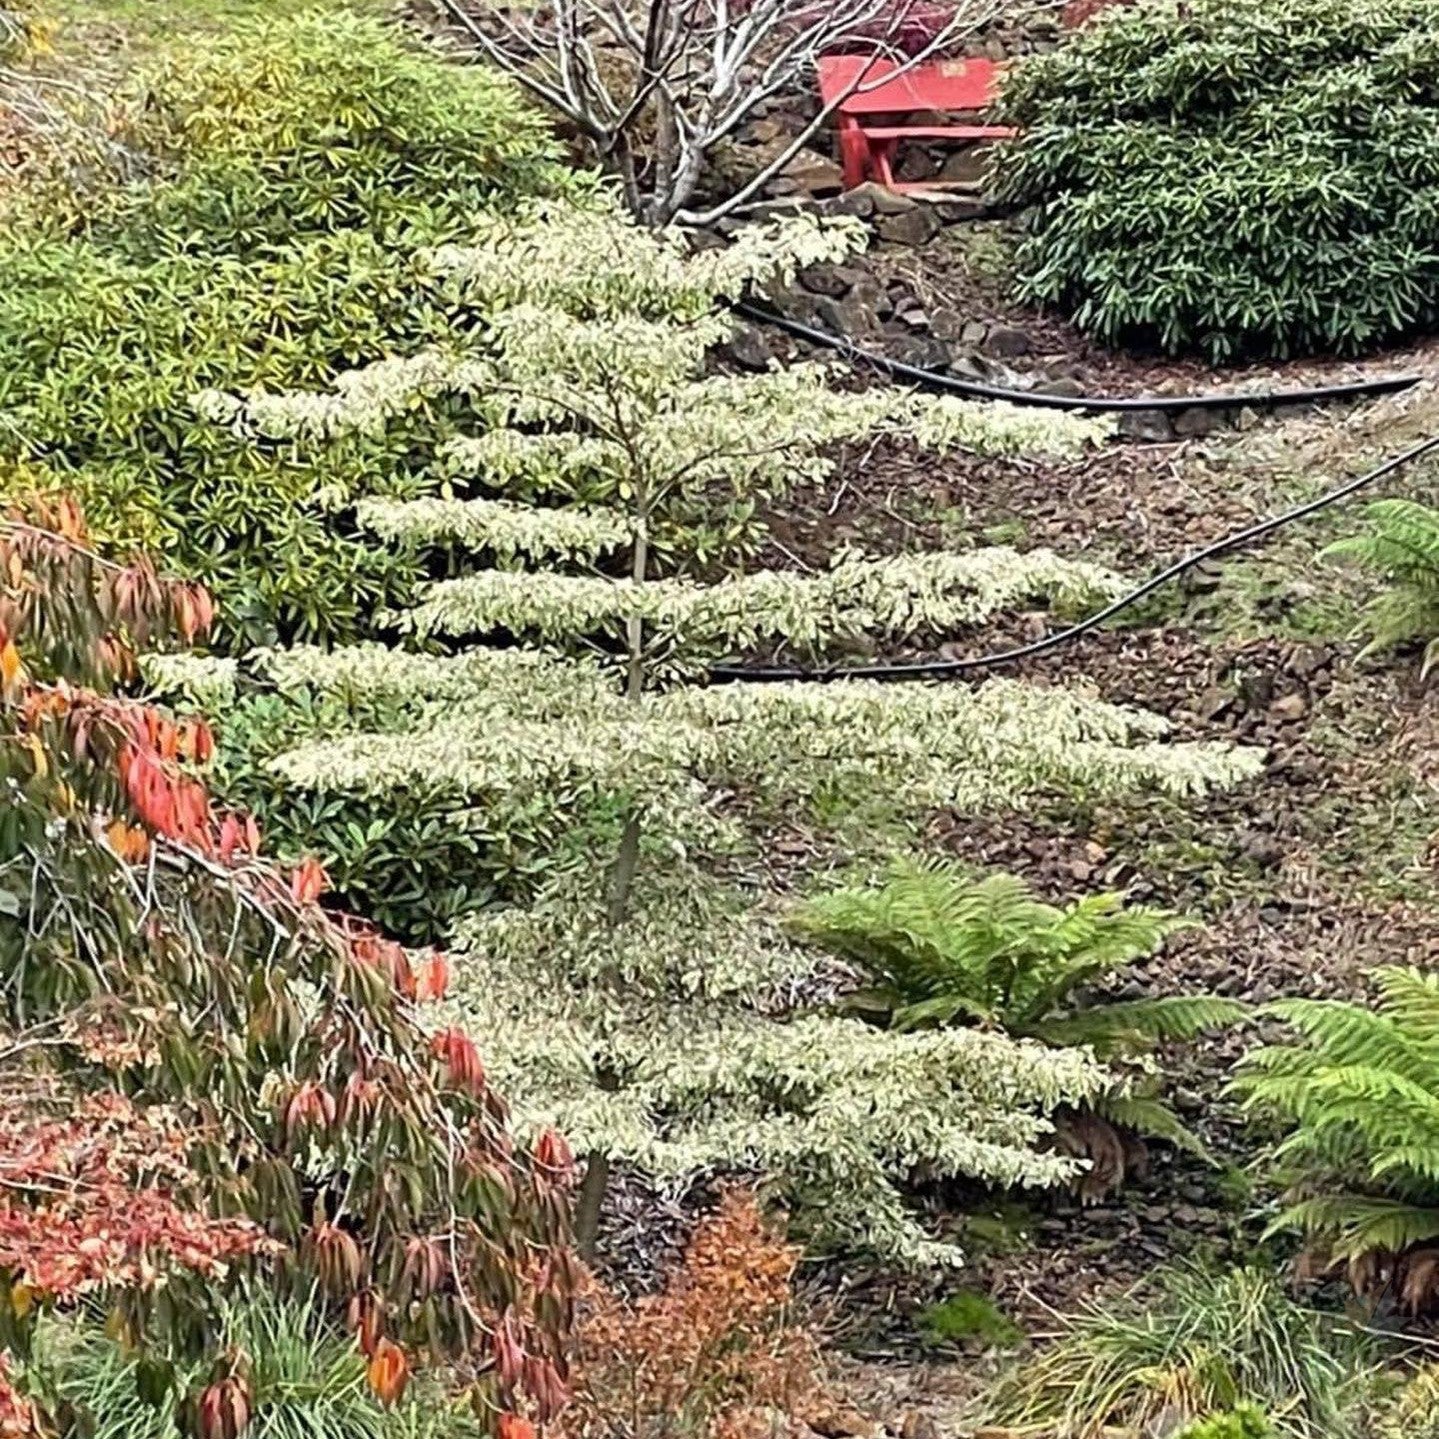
(977, 389)
(937, 669)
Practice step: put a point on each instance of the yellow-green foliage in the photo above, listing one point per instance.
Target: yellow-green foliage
(1414, 1412)
(296, 165)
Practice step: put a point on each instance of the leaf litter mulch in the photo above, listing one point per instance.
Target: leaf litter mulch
(1299, 882)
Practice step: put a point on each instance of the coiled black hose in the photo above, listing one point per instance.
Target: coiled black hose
(938, 669)
(978, 390)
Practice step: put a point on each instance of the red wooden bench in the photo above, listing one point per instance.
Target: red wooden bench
(869, 92)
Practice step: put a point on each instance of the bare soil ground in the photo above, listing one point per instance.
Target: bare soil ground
(1300, 882)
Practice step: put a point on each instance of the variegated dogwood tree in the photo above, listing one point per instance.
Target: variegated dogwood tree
(641, 995)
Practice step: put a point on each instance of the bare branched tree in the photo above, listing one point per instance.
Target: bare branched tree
(40, 110)
(654, 86)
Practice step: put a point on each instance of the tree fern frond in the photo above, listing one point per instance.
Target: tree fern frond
(950, 945)
(1361, 1089)
(1150, 1119)
(1411, 999)
(1401, 545)
(1176, 1017)
(1350, 1034)
(1352, 1225)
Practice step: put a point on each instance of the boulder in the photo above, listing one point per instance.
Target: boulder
(848, 315)
(913, 227)
(922, 351)
(1149, 425)
(1191, 423)
(1008, 342)
(832, 280)
(872, 199)
(811, 173)
(748, 347)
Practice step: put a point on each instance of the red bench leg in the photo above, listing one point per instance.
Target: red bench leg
(883, 152)
(854, 153)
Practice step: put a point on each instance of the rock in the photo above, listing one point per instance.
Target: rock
(916, 319)
(1151, 426)
(958, 209)
(922, 351)
(915, 1425)
(858, 202)
(1307, 660)
(1289, 707)
(911, 227)
(847, 316)
(748, 348)
(1257, 687)
(832, 280)
(839, 1423)
(967, 166)
(813, 174)
(871, 199)
(1213, 702)
(947, 324)
(1065, 385)
(1006, 341)
(797, 305)
(1204, 578)
(1195, 422)
(974, 333)
(974, 367)
(914, 165)
(1262, 849)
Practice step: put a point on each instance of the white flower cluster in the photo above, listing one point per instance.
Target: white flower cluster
(900, 595)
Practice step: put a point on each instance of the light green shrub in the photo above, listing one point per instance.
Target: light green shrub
(1234, 175)
(300, 164)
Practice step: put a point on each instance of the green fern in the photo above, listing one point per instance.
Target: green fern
(1360, 1089)
(1402, 546)
(941, 947)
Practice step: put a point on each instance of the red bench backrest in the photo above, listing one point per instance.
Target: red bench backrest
(932, 85)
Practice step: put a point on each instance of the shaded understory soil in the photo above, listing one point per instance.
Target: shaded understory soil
(1300, 881)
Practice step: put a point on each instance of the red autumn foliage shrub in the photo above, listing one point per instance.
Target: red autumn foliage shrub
(714, 1354)
(211, 1068)
(99, 1199)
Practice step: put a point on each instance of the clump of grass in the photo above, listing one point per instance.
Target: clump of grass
(1193, 1345)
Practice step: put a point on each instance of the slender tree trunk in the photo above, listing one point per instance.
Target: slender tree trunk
(592, 1196)
(622, 878)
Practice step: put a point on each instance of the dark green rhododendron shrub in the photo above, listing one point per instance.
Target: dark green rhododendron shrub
(291, 170)
(1234, 176)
